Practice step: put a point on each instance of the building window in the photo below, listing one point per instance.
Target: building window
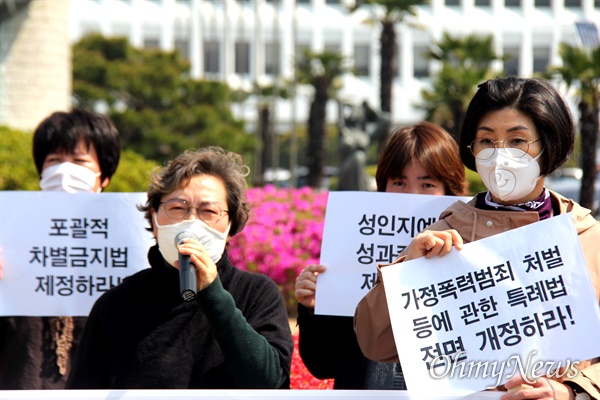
(512, 3)
(333, 48)
(541, 59)
(211, 56)
(272, 64)
(511, 64)
(542, 3)
(587, 34)
(183, 47)
(300, 49)
(362, 58)
(450, 3)
(483, 3)
(151, 43)
(421, 62)
(573, 3)
(242, 58)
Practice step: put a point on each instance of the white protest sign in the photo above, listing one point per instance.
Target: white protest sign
(61, 251)
(520, 302)
(363, 229)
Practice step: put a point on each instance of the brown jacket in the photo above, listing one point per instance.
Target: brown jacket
(372, 320)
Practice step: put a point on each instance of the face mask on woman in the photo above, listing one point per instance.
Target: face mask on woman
(212, 240)
(507, 177)
(69, 177)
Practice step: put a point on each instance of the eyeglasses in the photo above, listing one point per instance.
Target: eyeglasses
(515, 146)
(178, 209)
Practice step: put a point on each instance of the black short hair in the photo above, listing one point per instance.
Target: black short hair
(536, 98)
(61, 131)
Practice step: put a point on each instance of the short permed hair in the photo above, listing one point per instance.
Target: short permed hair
(215, 161)
(61, 131)
(537, 99)
(429, 145)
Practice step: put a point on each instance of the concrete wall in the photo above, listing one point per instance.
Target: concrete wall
(35, 63)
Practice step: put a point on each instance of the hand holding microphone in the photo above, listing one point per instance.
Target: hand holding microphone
(187, 270)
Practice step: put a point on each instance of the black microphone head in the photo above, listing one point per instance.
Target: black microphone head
(185, 235)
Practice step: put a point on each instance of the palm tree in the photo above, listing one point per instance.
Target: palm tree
(388, 13)
(265, 138)
(466, 62)
(581, 69)
(320, 71)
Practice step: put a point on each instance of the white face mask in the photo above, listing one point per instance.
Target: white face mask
(69, 177)
(212, 240)
(508, 178)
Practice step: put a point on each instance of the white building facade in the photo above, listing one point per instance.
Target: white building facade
(246, 41)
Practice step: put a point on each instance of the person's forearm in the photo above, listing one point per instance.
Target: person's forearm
(373, 327)
(253, 362)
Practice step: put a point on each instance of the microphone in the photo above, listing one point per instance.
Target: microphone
(187, 270)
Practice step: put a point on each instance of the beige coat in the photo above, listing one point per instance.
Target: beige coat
(372, 321)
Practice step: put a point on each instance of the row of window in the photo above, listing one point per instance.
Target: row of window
(362, 57)
(451, 3)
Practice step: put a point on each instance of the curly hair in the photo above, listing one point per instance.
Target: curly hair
(215, 161)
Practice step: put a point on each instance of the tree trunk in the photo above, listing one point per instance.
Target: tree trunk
(457, 114)
(387, 70)
(316, 133)
(388, 64)
(266, 135)
(589, 142)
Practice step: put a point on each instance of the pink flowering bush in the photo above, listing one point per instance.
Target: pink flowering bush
(300, 377)
(282, 236)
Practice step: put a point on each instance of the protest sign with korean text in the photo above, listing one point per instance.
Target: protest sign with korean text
(363, 229)
(520, 302)
(61, 251)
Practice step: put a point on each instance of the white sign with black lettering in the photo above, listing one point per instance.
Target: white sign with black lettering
(61, 251)
(363, 229)
(520, 302)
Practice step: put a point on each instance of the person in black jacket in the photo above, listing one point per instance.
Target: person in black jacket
(74, 151)
(421, 159)
(231, 331)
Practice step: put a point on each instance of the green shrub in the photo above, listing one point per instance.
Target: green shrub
(133, 173)
(475, 183)
(17, 169)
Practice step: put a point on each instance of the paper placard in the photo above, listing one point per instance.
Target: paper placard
(61, 251)
(475, 317)
(363, 229)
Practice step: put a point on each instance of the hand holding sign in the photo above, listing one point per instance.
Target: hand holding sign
(516, 303)
(306, 285)
(433, 243)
